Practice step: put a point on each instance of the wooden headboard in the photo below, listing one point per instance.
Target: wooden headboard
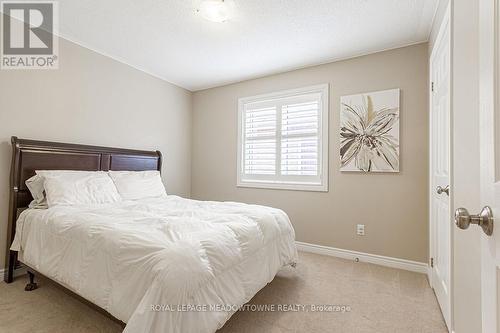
(31, 155)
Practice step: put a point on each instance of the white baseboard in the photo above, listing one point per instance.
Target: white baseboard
(409, 265)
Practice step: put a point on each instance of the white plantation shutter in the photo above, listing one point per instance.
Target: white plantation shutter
(283, 140)
(260, 141)
(300, 139)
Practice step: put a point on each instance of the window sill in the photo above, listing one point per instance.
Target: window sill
(311, 187)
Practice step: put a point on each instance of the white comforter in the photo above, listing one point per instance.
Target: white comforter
(149, 262)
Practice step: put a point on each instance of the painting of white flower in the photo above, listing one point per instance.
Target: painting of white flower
(369, 132)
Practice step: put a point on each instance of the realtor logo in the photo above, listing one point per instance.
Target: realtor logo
(28, 40)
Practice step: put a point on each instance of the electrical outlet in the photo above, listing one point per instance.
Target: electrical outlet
(360, 229)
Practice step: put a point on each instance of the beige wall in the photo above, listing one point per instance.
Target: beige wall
(393, 207)
(92, 99)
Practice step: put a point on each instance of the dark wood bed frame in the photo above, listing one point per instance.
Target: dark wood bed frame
(31, 155)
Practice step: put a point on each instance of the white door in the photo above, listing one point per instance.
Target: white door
(440, 225)
(489, 129)
(476, 34)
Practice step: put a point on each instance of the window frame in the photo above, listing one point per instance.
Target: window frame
(268, 182)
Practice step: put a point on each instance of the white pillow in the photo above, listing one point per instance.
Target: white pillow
(135, 185)
(37, 190)
(69, 188)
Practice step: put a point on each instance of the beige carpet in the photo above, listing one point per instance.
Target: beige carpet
(381, 300)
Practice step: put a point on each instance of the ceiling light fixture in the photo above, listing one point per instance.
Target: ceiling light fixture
(216, 10)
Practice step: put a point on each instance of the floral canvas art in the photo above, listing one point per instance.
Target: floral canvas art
(369, 132)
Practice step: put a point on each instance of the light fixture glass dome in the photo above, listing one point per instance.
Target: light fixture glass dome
(216, 10)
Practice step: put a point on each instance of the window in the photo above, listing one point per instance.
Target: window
(283, 140)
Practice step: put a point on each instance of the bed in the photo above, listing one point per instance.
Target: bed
(159, 265)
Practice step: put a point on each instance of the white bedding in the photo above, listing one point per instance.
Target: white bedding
(170, 253)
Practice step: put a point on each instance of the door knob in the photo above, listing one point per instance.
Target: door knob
(484, 219)
(446, 190)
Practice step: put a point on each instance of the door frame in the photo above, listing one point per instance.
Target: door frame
(446, 22)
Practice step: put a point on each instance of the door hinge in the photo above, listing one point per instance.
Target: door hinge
(432, 86)
(432, 262)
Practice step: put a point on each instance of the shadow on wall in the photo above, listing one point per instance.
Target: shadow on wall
(5, 159)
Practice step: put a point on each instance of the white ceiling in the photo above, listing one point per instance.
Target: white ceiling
(168, 39)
